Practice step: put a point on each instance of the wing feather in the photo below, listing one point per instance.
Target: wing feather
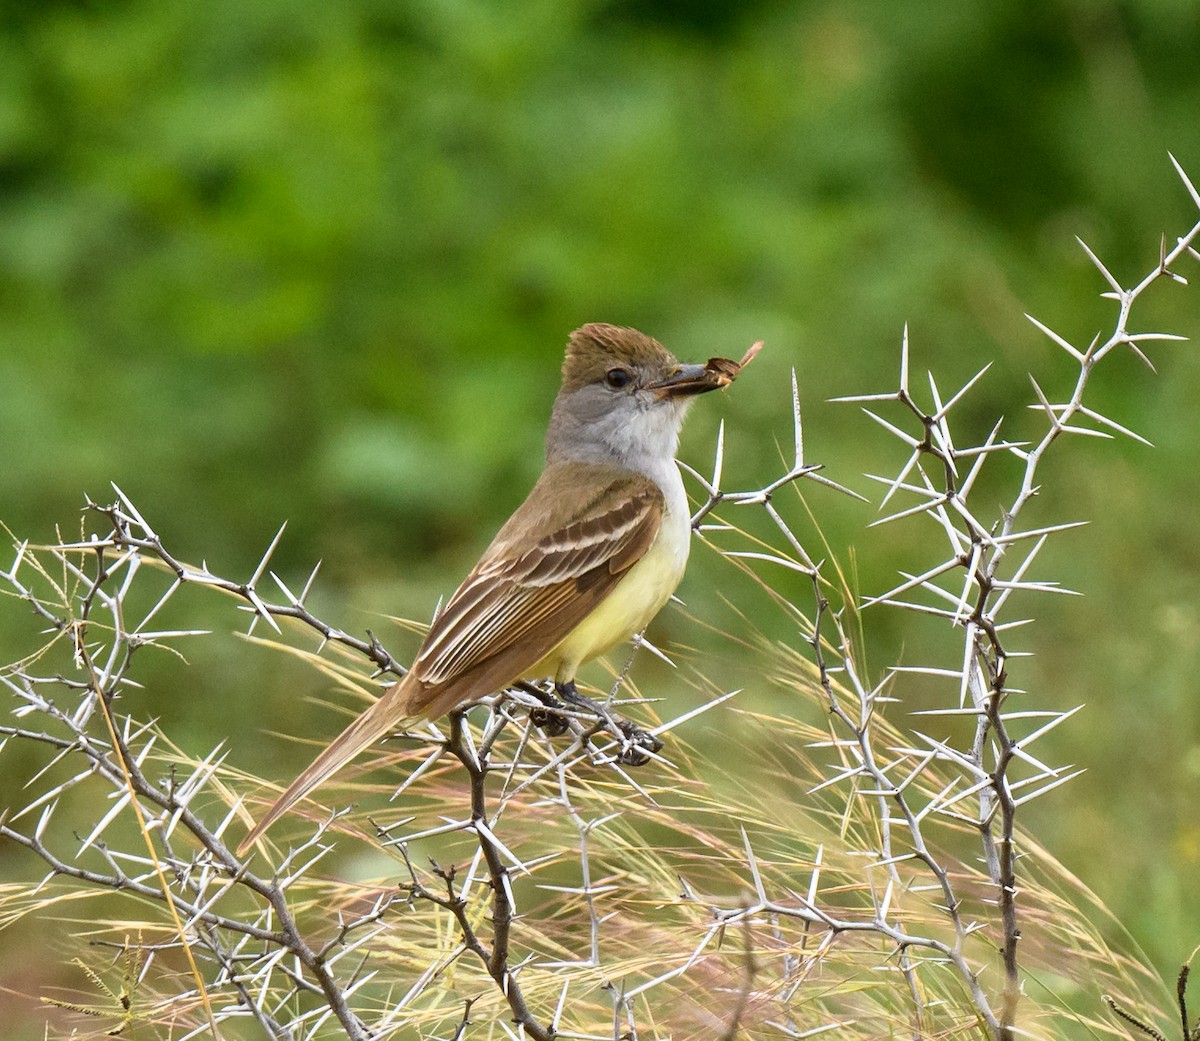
(514, 608)
(528, 601)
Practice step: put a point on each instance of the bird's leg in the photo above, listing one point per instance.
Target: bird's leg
(634, 740)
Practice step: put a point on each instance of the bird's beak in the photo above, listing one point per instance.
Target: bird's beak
(684, 381)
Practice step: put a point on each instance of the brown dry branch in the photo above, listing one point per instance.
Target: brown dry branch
(1188, 1031)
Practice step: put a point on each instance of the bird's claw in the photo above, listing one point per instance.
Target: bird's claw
(548, 721)
(639, 746)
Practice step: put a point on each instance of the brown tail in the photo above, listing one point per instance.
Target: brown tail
(381, 717)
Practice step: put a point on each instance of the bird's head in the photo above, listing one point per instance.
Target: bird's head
(623, 397)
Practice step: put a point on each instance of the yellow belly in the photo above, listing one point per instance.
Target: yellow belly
(628, 609)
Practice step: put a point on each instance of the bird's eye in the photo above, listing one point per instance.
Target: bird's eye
(617, 378)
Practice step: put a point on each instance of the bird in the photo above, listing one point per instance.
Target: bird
(597, 548)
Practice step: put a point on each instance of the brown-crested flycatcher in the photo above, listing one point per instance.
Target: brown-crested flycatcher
(587, 559)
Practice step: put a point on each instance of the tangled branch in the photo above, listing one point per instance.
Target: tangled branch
(568, 896)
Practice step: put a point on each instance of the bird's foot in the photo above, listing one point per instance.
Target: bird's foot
(549, 719)
(638, 746)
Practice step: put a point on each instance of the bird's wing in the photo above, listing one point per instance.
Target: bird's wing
(557, 557)
(523, 599)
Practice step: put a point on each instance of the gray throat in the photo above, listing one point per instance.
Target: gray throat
(636, 433)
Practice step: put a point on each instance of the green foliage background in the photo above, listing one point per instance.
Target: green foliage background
(315, 262)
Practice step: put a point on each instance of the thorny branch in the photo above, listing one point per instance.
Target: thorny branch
(168, 802)
(979, 552)
(246, 929)
(201, 875)
(496, 959)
